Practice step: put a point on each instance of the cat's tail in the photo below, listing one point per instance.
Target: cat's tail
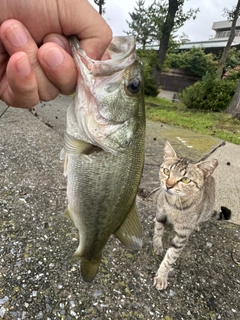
(224, 214)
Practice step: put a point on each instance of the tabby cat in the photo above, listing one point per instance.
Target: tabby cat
(186, 198)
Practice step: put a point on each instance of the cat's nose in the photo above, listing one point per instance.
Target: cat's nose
(170, 183)
(169, 186)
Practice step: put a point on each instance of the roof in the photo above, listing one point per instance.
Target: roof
(207, 44)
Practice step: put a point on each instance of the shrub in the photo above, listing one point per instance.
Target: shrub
(209, 94)
(233, 58)
(232, 73)
(194, 61)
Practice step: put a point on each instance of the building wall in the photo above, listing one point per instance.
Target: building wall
(175, 80)
(224, 25)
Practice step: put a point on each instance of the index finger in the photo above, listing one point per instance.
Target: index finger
(3, 59)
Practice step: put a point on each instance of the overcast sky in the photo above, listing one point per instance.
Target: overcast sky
(200, 29)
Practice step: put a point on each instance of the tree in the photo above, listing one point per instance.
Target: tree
(100, 4)
(167, 29)
(233, 15)
(174, 19)
(143, 24)
(156, 23)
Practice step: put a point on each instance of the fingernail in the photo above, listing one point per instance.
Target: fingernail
(53, 57)
(23, 66)
(17, 36)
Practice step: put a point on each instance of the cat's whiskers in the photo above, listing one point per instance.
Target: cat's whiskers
(152, 192)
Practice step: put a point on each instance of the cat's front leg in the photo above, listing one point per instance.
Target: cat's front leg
(157, 237)
(178, 243)
(160, 280)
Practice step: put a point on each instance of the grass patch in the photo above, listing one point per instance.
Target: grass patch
(217, 124)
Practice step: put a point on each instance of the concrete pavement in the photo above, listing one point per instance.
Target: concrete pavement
(38, 280)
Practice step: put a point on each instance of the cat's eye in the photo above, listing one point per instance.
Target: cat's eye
(166, 172)
(185, 180)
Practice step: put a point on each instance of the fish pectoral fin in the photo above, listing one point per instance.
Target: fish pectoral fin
(73, 145)
(62, 154)
(130, 231)
(65, 168)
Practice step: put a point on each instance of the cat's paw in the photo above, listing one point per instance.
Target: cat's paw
(160, 283)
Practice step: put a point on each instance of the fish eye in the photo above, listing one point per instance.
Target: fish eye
(185, 180)
(166, 172)
(134, 86)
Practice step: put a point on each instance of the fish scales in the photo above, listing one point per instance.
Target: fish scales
(102, 188)
(104, 155)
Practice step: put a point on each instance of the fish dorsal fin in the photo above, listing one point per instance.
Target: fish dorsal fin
(73, 145)
(130, 231)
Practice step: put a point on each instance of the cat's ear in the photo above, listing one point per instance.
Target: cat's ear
(169, 152)
(208, 166)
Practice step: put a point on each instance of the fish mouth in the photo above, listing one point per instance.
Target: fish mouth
(121, 53)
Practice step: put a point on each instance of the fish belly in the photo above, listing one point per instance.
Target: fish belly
(101, 191)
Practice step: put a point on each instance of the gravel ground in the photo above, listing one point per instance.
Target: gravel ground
(38, 278)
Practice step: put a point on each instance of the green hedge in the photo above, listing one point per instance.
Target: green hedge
(209, 94)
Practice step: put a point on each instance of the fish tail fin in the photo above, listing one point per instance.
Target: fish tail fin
(89, 269)
(130, 231)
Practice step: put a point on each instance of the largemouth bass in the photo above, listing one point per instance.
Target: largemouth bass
(104, 151)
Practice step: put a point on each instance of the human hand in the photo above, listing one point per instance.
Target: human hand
(35, 57)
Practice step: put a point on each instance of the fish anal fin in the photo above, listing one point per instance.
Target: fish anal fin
(130, 231)
(73, 145)
(67, 213)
